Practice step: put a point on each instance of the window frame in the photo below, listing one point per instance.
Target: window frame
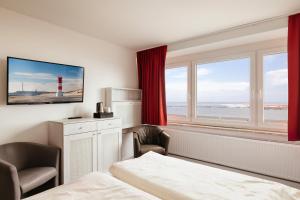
(260, 74)
(189, 84)
(223, 121)
(255, 92)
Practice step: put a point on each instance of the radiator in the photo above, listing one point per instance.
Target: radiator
(275, 159)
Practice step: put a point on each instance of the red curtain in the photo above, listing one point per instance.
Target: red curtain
(151, 71)
(294, 77)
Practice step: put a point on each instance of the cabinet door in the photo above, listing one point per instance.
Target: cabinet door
(80, 155)
(109, 148)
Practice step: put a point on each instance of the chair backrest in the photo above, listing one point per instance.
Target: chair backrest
(149, 134)
(18, 154)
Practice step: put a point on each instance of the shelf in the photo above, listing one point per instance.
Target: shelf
(123, 94)
(125, 103)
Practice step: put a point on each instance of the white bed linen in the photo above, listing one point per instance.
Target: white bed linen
(171, 179)
(95, 186)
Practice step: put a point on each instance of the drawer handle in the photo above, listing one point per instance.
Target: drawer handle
(109, 124)
(80, 127)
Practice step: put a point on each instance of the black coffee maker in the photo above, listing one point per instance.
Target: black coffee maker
(100, 111)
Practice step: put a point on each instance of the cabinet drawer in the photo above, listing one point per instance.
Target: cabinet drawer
(110, 123)
(79, 128)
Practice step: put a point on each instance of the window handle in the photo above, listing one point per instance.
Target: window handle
(260, 93)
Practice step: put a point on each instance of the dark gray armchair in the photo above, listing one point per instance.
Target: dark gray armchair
(150, 138)
(27, 168)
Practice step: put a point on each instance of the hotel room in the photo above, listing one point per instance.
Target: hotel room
(149, 99)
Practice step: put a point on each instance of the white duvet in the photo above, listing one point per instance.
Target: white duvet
(171, 179)
(95, 186)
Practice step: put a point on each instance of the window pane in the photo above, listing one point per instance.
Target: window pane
(176, 92)
(275, 87)
(223, 89)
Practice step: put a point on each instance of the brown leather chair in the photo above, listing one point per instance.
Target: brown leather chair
(26, 169)
(150, 138)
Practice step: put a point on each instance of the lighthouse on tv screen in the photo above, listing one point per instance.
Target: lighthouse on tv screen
(59, 92)
(31, 82)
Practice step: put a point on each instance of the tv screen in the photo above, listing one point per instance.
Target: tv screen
(37, 82)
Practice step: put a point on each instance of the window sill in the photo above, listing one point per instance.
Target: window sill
(228, 128)
(246, 133)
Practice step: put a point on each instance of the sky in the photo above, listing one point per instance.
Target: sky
(229, 81)
(42, 76)
(275, 78)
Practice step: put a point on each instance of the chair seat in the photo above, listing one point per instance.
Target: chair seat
(147, 147)
(35, 177)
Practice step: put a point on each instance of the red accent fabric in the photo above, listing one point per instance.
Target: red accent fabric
(59, 87)
(59, 79)
(151, 71)
(294, 77)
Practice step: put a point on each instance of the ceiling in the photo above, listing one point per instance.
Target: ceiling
(140, 24)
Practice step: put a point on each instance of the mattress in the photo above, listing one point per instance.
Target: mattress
(171, 179)
(95, 186)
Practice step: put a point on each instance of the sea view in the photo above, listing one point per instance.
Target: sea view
(223, 89)
(234, 110)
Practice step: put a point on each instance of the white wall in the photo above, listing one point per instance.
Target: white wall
(106, 65)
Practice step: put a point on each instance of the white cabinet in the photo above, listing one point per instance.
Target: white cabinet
(126, 103)
(87, 145)
(130, 112)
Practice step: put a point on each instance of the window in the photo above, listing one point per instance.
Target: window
(275, 88)
(241, 90)
(223, 90)
(176, 92)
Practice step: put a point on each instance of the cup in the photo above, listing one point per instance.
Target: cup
(107, 109)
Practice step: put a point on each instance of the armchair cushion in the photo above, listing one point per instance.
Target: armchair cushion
(33, 177)
(147, 147)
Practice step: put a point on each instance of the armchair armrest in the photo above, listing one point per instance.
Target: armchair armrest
(137, 145)
(165, 139)
(9, 182)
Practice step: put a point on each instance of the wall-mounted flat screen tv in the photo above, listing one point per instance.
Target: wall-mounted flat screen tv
(37, 82)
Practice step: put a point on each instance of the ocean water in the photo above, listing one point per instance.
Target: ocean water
(274, 112)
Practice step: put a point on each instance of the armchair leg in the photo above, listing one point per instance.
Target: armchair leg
(56, 181)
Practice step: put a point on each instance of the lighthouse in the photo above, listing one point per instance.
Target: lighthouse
(59, 92)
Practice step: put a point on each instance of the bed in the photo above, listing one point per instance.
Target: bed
(95, 186)
(173, 179)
